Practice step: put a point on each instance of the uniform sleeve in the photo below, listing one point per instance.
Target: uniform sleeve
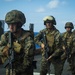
(57, 44)
(29, 46)
(38, 38)
(57, 38)
(2, 44)
(29, 51)
(73, 45)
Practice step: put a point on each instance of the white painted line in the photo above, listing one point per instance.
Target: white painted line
(39, 73)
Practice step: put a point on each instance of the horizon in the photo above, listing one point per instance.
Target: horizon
(35, 11)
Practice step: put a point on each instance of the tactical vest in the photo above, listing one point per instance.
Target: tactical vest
(68, 39)
(50, 39)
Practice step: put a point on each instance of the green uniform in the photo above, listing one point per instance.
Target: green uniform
(68, 42)
(24, 57)
(54, 51)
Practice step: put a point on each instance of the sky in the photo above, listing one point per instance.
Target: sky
(36, 10)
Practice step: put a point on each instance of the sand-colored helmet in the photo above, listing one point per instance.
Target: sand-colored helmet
(49, 19)
(15, 16)
(69, 25)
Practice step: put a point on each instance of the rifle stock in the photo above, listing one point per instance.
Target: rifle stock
(8, 63)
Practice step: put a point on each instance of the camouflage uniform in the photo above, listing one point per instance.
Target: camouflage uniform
(68, 45)
(23, 47)
(53, 37)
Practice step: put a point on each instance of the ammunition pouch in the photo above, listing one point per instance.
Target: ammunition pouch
(17, 47)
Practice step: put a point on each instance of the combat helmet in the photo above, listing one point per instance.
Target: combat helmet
(49, 19)
(15, 16)
(69, 25)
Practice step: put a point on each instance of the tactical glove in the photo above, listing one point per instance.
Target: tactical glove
(5, 54)
(5, 51)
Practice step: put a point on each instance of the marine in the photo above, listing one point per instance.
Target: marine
(68, 47)
(22, 45)
(53, 41)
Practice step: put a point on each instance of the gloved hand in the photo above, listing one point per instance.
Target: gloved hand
(42, 47)
(5, 51)
(64, 48)
(49, 58)
(17, 47)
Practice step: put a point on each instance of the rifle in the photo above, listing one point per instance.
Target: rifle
(8, 63)
(67, 50)
(46, 45)
(46, 49)
(31, 28)
(67, 53)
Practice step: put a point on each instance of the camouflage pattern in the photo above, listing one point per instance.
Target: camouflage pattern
(68, 40)
(24, 57)
(15, 16)
(69, 24)
(49, 19)
(54, 50)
